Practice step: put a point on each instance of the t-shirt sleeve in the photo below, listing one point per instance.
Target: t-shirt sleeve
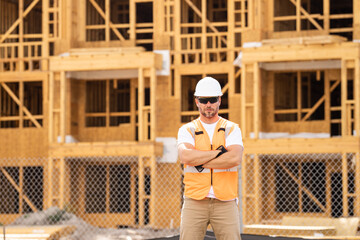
(184, 136)
(234, 138)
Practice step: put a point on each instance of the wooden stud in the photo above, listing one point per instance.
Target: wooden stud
(357, 97)
(51, 107)
(257, 188)
(50, 182)
(357, 184)
(62, 106)
(257, 107)
(21, 189)
(153, 86)
(141, 193)
(16, 99)
(62, 183)
(243, 101)
(141, 99)
(14, 184)
(153, 171)
(345, 188)
(343, 98)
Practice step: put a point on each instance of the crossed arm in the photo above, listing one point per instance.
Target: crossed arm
(193, 157)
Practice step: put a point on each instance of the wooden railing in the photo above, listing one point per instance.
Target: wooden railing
(24, 56)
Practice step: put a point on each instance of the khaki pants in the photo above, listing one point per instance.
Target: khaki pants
(223, 216)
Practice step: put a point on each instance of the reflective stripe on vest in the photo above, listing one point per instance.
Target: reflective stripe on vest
(198, 181)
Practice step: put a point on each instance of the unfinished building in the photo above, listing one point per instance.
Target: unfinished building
(93, 91)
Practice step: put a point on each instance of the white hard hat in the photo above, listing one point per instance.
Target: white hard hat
(208, 87)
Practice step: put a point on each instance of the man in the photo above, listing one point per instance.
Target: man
(210, 148)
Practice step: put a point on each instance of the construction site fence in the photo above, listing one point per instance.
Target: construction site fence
(130, 196)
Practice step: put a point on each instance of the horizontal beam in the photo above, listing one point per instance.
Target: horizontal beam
(300, 52)
(302, 145)
(106, 61)
(123, 148)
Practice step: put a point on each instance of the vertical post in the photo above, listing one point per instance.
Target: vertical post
(298, 16)
(62, 106)
(107, 20)
(357, 184)
(177, 39)
(257, 107)
(21, 105)
(357, 97)
(141, 194)
(141, 93)
(21, 36)
(132, 20)
(203, 31)
(153, 103)
(343, 97)
(51, 107)
(153, 189)
(257, 187)
(82, 20)
(326, 4)
(345, 188)
(107, 189)
(62, 183)
(356, 20)
(231, 34)
(327, 100)
(299, 105)
(21, 187)
(243, 188)
(133, 105)
(107, 100)
(45, 35)
(50, 182)
(243, 100)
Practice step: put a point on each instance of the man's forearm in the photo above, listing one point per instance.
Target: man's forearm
(226, 160)
(195, 157)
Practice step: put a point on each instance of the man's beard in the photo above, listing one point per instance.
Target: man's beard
(209, 114)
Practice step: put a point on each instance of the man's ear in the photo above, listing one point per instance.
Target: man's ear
(219, 101)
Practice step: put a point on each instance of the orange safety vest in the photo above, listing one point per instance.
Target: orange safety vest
(224, 181)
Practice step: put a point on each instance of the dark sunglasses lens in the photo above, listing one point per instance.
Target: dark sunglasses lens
(206, 100)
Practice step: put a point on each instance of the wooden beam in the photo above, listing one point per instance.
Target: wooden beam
(16, 99)
(153, 183)
(45, 35)
(257, 108)
(13, 183)
(303, 188)
(103, 15)
(208, 23)
(243, 101)
(320, 101)
(17, 22)
(103, 62)
(357, 97)
(357, 184)
(307, 15)
(257, 189)
(141, 99)
(62, 106)
(343, 98)
(153, 93)
(141, 193)
(62, 183)
(50, 182)
(51, 107)
(345, 179)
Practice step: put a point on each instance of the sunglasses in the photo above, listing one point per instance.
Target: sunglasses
(209, 99)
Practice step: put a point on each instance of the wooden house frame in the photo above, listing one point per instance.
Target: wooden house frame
(56, 51)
